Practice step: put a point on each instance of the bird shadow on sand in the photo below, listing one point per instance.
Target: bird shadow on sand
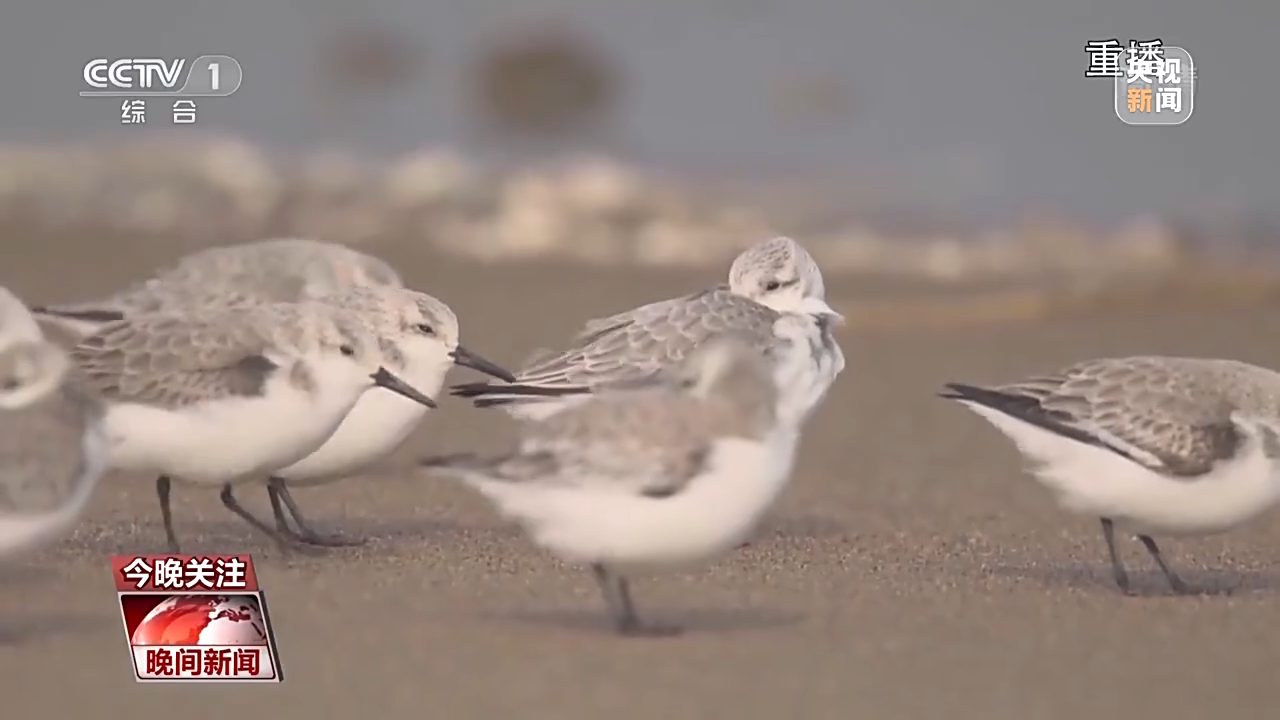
(197, 537)
(675, 623)
(811, 527)
(1145, 583)
(210, 537)
(392, 533)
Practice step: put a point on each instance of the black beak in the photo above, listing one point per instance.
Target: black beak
(384, 379)
(466, 358)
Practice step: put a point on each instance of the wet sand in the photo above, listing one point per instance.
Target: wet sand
(911, 570)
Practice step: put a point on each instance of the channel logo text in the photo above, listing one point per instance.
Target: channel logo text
(207, 76)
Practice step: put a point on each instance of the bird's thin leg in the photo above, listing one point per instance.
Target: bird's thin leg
(163, 486)
(229, 500)
(630, 623)
(279, 491)
(620, 607)
(1175, 582)
(617, 595)
(1117, 569)
(277, 509)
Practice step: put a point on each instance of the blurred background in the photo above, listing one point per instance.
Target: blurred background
(944, 140)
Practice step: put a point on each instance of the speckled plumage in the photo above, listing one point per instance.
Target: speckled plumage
(772, 279)
(1170, 414)
(172, 361)
(652, 438)
(1164, 445)
(670, 472)
(634, 345)
(276, 270)
(180, 357)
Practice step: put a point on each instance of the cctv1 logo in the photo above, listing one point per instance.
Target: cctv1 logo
(206, 76)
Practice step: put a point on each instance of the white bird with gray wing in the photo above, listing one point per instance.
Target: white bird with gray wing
(274, 270)
(772, 279)
(661, 476)
(1163, 445)
(219, 396)
(418, 335)
(288, 269)
(52, 447)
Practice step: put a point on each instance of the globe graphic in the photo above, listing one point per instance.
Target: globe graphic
(203, 620)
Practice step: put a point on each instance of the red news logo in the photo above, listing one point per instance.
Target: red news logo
(195, 618)
(207, 662)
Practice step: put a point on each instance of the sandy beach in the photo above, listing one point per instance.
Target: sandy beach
(912, 569)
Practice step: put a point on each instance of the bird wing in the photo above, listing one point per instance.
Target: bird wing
(639, 343)
(1153, 411)
(172, 362)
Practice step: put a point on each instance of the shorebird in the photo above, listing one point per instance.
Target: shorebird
(52, 447)
(222, 395)
(772, 279)
(1162, 445)
(274, 270)
(663, 475)
(419, 340)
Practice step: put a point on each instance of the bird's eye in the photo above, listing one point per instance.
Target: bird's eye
(425, 329)
(10, 384)
(772, 285)
(347, 350)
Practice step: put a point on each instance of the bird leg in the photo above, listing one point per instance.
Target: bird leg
(1117, 569)
(281, 500)
(229, 500)
(277, 509)
(1175, 582)
(617, 597)
(163, 486)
